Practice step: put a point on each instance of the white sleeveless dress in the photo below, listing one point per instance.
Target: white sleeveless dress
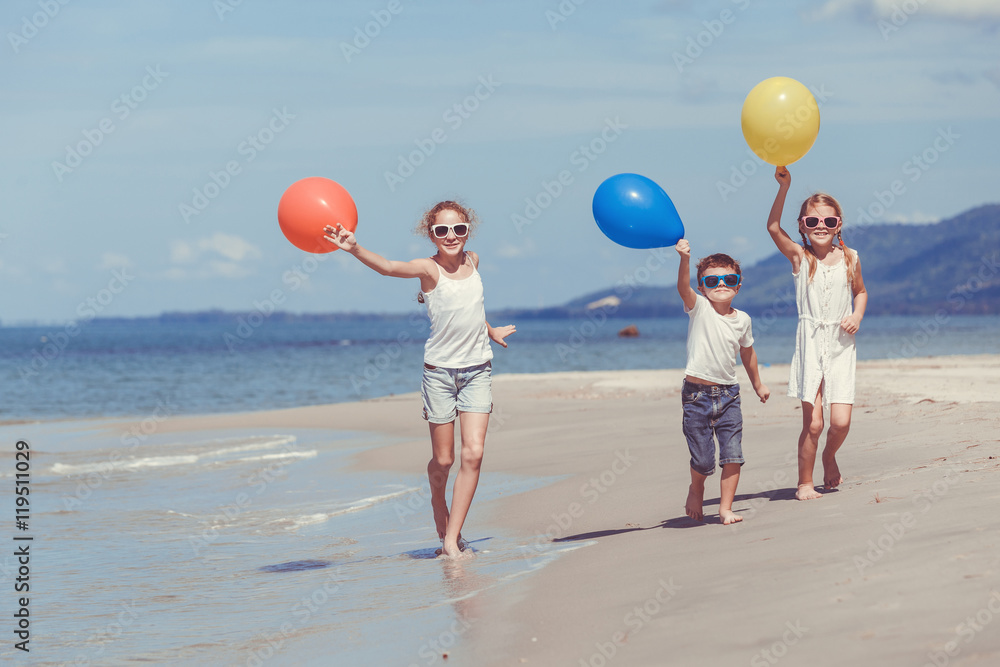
(824, 352)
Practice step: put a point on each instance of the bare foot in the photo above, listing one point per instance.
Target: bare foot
(453, 551)
(807, 492)
(728, 517)
(831, 473)
(694, 501)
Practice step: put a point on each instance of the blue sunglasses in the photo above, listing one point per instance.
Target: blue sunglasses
(729, 280)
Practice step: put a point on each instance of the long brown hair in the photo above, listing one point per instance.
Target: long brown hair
(823, 199)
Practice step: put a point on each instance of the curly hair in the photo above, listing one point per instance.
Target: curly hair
(823, 199)
(718, 261)
(423, 227)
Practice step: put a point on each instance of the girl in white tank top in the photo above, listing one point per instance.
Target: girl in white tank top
(457, 367)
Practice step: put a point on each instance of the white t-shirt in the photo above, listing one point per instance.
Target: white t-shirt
(714, 342)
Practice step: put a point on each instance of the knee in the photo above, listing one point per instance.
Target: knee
(839, 426)
(815, 427)
(472, 455)
(443, 461)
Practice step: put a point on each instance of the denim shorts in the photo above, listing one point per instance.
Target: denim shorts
(448, 391)
(712, 410)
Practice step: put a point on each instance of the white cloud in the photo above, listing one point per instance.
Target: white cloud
(231, 247)
(511, 251)
(113, 260)
(965, 10)
(218, 255)
(915, 218)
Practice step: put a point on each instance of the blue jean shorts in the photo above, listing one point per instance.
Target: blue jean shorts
(448, 391)
(712, 410)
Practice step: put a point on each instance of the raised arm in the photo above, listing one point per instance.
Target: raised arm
(688, 295)
(787, 247)
(422, 268)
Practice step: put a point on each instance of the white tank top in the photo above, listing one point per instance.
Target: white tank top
(457, 312)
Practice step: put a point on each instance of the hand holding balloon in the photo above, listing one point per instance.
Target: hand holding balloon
(340, 237)
(783, 177)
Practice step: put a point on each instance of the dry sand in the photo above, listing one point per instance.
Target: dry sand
(900, 566)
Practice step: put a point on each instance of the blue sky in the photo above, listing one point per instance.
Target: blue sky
(162, 95)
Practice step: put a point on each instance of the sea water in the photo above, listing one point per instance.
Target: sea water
(243, 547)
(162, 369)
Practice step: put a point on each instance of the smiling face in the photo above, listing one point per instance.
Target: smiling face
(722, 293)
(821, 234)
(450, 244)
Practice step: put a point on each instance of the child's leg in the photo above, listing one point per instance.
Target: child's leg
(730, 478)
(696, 496)
(697, 405)
(840, 424)
(474, 425)
(729, 431)
(442, 456)
(812, 428)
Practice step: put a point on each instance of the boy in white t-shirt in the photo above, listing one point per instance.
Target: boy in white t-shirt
(717, 334)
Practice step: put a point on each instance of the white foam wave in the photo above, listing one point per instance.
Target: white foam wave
(110, 466)
(295, 523)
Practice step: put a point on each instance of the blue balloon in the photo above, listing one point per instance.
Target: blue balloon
(635, 212)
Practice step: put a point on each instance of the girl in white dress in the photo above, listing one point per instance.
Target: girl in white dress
(831, 299)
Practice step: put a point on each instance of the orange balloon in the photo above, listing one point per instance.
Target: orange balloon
(311, 204)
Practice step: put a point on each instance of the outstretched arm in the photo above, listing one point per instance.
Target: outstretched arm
(344, 239)
(852, 322)
(749, 357)
(787, 247)
(688, 295)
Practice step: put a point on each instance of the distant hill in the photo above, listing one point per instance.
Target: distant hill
(951, 266)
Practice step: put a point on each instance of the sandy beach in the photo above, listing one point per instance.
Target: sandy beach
(900, 566)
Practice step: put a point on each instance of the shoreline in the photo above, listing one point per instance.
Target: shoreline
(880, 571)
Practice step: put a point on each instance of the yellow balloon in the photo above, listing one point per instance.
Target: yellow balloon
(780, 120)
